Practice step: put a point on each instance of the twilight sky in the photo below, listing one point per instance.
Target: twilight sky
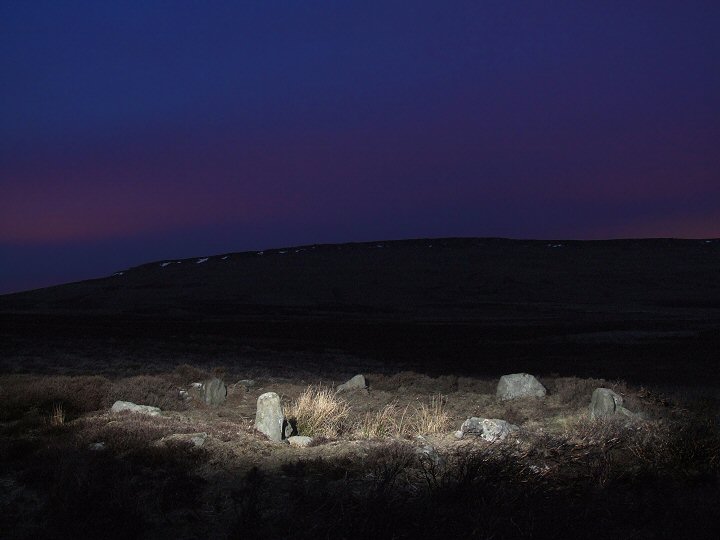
(134, 131)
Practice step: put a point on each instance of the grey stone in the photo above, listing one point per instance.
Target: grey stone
(430, 455)
(605, 402)
(198, 439)
(120, 406)
(269, 417)
(300, 441)
(519, 385)
(490, 429)
(214, 392)
(97, 447)
(356, 383)
(247, 383)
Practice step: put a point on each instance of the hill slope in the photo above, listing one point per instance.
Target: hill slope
(437, 279)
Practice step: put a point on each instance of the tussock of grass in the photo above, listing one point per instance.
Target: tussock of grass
(319, 411)
(432, 418)
(390, 421)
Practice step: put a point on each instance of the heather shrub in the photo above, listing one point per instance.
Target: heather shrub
(147, 390)
(20, 394)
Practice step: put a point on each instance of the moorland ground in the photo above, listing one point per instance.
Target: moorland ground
(640, 318)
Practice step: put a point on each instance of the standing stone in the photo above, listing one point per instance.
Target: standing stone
(519, 385)
(214, 392)
(356, 383)
(605, 402)
(269, 417)
(490, 429)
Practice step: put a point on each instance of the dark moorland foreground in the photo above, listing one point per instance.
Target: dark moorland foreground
(433, 324)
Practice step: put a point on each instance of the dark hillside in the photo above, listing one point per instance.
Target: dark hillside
(644, 310)
(435, 279)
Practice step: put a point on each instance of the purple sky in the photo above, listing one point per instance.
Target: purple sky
(150, 130)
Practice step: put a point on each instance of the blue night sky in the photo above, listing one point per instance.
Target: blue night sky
(133, 131)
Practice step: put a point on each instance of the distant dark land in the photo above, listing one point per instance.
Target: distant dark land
(646, 311)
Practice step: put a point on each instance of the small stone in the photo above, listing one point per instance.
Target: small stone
(198, 439)
(247, 383)
(300, 441)
(120, 406)
(518, 385)
(430, 454)
(97, 447)
(458, 434)
(269, 417)
(356, 383)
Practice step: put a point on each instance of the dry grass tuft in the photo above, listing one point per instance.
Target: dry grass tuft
(432, 418)
(318, 411)
(57, 415)
(390, 421)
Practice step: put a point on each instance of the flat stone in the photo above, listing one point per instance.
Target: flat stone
(120, 406)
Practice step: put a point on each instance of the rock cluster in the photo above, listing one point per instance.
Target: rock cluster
(490, 429)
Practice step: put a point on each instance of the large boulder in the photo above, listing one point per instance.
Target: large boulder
(214, 392)
(605, 402)
(356, 383)
(269, 417)
(490, 429)
(518, 385)
(120, 406)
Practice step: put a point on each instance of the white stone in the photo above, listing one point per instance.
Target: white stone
(120, 406)
(356, 383)
(300, 441)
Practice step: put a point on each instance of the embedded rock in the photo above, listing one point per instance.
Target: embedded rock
(605, 402)
(269, 417)
(490, 429)
(356, 383)
(519, 385)
(120, 406)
